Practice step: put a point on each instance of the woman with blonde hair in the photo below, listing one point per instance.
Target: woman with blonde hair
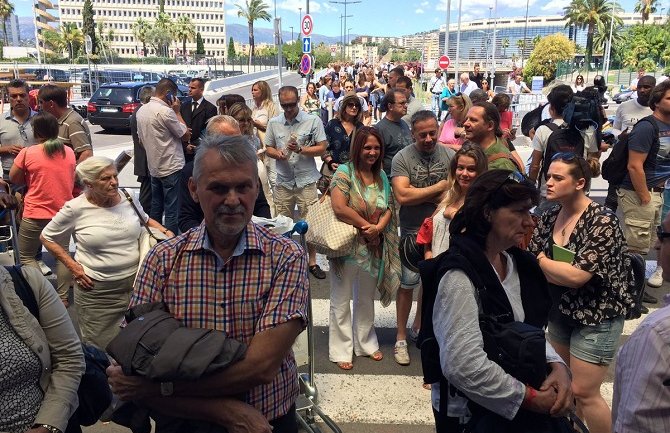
(468, 163)
(264, 109)
(452, 133)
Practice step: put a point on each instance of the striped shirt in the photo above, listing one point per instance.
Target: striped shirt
(74, 132)
(641, 401)
(262, 285)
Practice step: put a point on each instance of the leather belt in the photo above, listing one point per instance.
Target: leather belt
(657, 189)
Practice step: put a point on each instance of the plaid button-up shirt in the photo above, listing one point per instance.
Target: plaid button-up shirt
(262, 285)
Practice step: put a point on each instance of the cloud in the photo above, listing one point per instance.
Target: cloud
(425, 4)
(442, 5)
(556, 6)
(419, 11)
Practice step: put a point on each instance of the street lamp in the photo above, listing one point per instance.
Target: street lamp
(292, 38)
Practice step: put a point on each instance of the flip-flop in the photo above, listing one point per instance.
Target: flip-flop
(345, 365)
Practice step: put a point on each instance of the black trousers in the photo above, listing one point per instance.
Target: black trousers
(285, 423)
(447, 424)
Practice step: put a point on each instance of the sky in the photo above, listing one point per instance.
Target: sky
(385, 17)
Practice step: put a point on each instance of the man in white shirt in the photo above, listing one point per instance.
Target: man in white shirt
(161, 130)
(517, 86)
(435, 86)
(467, 86)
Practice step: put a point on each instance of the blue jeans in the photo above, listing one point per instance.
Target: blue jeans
(165, 199)
(436, 104)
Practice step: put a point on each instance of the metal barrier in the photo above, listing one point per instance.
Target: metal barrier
(522, 104)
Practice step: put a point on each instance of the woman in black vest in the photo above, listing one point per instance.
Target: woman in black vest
(484, 274)
(580, 245)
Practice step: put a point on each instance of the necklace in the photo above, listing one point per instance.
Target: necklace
(565, 226)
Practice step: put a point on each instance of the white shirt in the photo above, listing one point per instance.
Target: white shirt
(435, 85)
(160, 132)
(467, 88)
(628, 114)
(516, 88)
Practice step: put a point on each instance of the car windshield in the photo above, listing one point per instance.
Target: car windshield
(114, 95)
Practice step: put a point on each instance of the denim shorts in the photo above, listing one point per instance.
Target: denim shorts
(409, 279)
(596, 344)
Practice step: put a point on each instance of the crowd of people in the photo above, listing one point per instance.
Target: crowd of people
(441, 205)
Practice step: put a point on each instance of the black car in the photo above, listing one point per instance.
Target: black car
(113, 103)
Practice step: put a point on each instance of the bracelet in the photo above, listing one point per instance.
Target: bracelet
(531, 393)
(51, 428)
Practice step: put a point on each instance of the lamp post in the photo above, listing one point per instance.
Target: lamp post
(458, 43)
(345, 16)
(292, 38)
(493, 46)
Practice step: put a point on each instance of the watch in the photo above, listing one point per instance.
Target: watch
(50, 428)
(167, 388)
(299, 149)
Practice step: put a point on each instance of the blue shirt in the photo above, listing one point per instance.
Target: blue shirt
(641, 140)
(299, 170)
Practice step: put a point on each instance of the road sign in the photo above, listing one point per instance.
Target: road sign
(306, 44)
(305, 64)
(307, 25)
(333, 50)
(444, 62)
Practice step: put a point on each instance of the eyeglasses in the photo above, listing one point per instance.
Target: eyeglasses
(289, 105)
(569, 157)
(22, 131)
(660, 234)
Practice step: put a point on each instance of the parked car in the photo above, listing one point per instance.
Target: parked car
(623, 96)
(113, 103)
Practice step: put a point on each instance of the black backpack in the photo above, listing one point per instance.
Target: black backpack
(532, 120)
(563, 138)
(615, 167)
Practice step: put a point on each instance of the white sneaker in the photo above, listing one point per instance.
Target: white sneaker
(401, 353)
(44, 268)
(656, 279)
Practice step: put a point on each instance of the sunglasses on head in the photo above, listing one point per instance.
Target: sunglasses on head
(569, 157)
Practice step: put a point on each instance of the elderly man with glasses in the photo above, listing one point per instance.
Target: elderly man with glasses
(294, 139)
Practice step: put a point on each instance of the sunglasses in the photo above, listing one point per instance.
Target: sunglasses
(22, 131)
(569, 157)
(354, 105)
(289, 105)
(514, 176)
(660, 234)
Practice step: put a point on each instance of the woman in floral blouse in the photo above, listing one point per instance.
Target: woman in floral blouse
(580, 246)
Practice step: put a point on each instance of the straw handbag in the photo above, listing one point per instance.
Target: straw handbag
(327, 234)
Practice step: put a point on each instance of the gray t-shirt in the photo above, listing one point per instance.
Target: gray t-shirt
(641, 140)
(396, 136)
(13, 132)
(423, 171)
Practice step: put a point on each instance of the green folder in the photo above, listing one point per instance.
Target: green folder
(562, 254)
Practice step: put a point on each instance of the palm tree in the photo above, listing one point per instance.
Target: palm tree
(521, 45)
(184, 31)
(252, 11)
(163, 33)
(505, 45)
(587, 14)
(141, 31)
(536, 40)
(6, 9)
(71, 37)
(643, 7)
(601, 38)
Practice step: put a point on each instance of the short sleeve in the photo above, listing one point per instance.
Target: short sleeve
(641, 137)
(80, 137)
(540, 139)
(319, 132)
(20, 159)
(270, 135)
(150, 280)
(62, 225)
(399, 166)
(341, 180)
(177, 128)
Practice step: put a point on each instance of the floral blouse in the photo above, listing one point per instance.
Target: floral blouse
(599, 245)
(338, 140)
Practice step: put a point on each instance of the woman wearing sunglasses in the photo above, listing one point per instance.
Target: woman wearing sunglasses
(579, 245)
(579, 84)
(488, 275)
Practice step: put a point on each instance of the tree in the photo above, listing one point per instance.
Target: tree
(184, 31)
(6, 10)
(521, 45)
(644, 42)
(644, 8)
(72, 38)
(161, 35)
(601, 38)
(252, 11)
(141, 30)
(231, 48)
(587, 14)
(505, 45)
(88, 24)
(536, 39)
(53, 41)
(384, 47)
(199, 44)
(546, 55)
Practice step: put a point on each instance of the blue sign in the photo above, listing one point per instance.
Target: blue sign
(306, 44)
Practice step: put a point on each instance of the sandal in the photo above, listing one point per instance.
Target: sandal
(345, 365)
(377, 356)
(317, 272)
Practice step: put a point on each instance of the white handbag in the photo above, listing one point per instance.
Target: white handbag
(327, 234)
(148, 237)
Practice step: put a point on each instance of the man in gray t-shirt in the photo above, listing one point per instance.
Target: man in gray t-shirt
(16, 131)
(419, 179)
(394, 131)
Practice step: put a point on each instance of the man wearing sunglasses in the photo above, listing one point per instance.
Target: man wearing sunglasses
(294, 139)
(16, 131)
(641, 400)
(641, 193)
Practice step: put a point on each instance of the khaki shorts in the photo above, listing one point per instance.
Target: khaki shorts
(286, 199)
(640, 221)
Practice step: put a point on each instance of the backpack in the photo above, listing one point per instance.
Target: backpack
(94, 393)
(615, 167)
(563, 138)
(584, 110)
(532, 120)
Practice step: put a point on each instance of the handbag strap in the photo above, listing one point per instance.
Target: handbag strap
(137, 211)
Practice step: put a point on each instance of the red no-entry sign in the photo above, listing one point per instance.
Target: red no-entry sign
(444, 62)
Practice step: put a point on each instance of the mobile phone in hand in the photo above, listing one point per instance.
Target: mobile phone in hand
(170, 98)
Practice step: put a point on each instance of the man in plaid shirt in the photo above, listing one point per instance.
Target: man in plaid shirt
(230, 275)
